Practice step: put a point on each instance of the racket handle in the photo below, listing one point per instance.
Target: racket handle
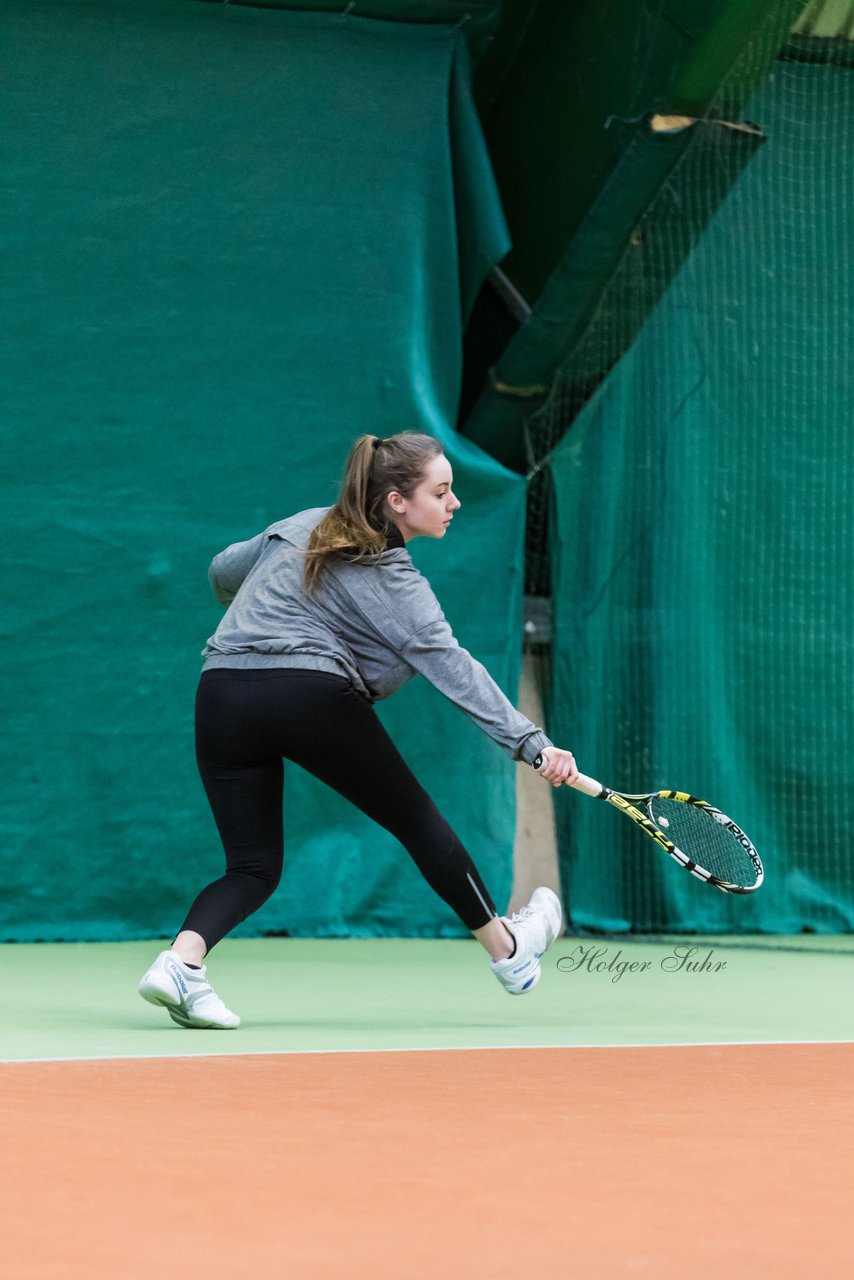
(589, 786)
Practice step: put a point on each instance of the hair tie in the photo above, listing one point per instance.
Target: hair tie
(378, 442)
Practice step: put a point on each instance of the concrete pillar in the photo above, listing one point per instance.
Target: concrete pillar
(535, 859)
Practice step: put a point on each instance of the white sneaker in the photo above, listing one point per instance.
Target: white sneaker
(186, 994)
(535, 928)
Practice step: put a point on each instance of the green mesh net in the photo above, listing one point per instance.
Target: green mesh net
(692, 477)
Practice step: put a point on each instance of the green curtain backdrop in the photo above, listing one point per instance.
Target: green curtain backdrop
(703, 548)
(236, 240)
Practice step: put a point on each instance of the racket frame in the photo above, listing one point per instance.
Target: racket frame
(631, 806)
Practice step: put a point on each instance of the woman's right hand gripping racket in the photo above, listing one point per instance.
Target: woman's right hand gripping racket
(695, 834)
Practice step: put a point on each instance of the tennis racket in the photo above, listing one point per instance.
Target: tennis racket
(695, 834)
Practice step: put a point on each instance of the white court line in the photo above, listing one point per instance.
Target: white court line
(433, 1048)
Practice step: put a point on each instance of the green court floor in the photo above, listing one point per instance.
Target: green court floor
(80, 1000)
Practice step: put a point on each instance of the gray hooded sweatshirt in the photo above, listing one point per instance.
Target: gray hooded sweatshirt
(377, 623)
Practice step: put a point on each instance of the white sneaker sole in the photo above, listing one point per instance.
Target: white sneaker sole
(155, 994)
(178, 1015)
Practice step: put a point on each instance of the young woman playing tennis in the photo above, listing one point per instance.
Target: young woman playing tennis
(327, 614)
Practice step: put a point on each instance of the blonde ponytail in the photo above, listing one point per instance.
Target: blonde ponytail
(355, 528)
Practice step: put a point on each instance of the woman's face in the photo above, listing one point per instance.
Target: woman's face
(429, 509)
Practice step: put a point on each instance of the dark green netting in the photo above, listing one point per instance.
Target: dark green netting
(237, 239)
(702, 530)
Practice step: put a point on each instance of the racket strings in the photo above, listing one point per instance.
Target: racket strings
(704, 840)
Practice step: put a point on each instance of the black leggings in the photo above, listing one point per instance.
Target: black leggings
(246, 722)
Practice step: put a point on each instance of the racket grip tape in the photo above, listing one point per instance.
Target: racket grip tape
(589, 786)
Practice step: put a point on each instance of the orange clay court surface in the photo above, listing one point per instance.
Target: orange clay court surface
(704, 1161)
